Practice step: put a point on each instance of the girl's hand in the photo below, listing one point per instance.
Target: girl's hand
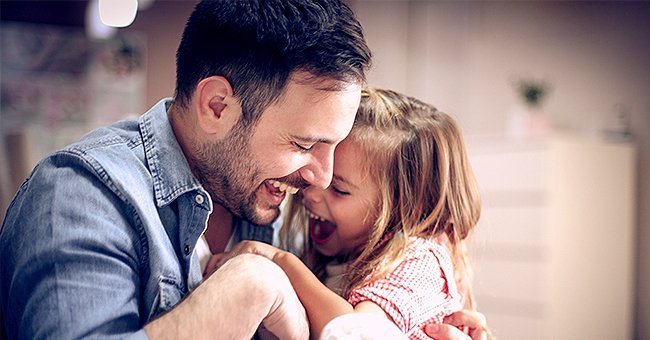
(244, 247)
(255, 247)
(215, 263)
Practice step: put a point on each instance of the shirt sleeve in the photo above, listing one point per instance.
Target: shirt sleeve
(415, 293)
(69, 253)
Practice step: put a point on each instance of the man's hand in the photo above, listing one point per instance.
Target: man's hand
(462, 325)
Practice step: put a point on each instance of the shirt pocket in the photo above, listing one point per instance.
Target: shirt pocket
(169, 295)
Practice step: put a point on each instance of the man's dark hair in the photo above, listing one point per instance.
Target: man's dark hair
(257, 45)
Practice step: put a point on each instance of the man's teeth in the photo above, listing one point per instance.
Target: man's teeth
(283, 186)
(315, 217)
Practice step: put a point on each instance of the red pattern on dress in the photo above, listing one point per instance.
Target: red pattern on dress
(421, 289)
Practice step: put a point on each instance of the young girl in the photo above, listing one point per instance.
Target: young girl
(392, 223)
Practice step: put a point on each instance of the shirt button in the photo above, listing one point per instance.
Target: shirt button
(187, 249)
(199, 199)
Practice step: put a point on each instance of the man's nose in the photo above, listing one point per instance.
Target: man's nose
(313, 194)
(318, 172)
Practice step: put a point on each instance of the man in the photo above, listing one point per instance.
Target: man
(99, 241)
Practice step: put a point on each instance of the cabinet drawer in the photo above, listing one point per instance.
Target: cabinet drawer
(522, 226)
(511, 280)
(523, 170)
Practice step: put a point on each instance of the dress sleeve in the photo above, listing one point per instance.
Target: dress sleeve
(70, 265)
(416, 292)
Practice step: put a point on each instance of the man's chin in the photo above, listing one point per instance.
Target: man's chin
(265, 216)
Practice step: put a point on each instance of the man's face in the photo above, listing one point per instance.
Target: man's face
(290, 147)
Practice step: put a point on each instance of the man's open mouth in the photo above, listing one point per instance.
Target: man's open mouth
(282, 187)
(277, 190)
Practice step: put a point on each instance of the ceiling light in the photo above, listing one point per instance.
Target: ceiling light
(94, 27)
(117, 13)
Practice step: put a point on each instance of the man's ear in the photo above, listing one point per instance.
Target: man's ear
(217, 109)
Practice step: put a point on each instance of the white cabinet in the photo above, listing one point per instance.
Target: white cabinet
(553, 252)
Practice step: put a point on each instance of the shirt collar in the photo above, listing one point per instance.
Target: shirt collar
(168, 166)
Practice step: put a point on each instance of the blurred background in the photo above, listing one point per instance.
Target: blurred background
(553, 98)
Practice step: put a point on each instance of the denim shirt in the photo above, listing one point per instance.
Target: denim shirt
(99, 239)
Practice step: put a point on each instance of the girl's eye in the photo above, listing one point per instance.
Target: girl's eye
(303, 148)
(338, 191)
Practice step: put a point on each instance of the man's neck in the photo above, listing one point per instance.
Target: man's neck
(220, 225)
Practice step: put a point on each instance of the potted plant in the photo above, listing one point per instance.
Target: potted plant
(530, 119)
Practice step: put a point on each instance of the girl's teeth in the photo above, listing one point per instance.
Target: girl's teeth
(283, 187)
(315, 217)
(293, 190)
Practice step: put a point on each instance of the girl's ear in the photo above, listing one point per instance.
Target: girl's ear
(217, 108)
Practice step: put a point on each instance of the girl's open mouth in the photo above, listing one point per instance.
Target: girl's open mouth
(320, 230)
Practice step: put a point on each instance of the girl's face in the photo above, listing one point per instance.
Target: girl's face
(341, 216)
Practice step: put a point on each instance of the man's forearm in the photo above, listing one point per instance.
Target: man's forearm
(230, 304)
(212, 310)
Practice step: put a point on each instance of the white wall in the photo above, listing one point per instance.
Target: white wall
(463, 56)
(163, 25)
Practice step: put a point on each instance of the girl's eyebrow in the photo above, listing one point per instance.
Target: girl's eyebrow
(342, 179)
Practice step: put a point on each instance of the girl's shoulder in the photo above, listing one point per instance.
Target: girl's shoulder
(430, 253)
(423, 257)
(419, 246)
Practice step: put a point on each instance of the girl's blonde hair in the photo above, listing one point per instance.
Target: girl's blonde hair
(416, 156)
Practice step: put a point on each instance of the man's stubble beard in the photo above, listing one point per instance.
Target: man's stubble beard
(228, 175)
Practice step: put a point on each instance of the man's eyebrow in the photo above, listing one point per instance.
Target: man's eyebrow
(313, 139)
(342, 179)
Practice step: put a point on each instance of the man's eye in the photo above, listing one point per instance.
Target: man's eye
(303, 148)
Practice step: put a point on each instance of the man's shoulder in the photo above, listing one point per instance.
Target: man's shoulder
(124, 135)
(111, 155)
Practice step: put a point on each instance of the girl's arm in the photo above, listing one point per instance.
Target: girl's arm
(322, 304)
